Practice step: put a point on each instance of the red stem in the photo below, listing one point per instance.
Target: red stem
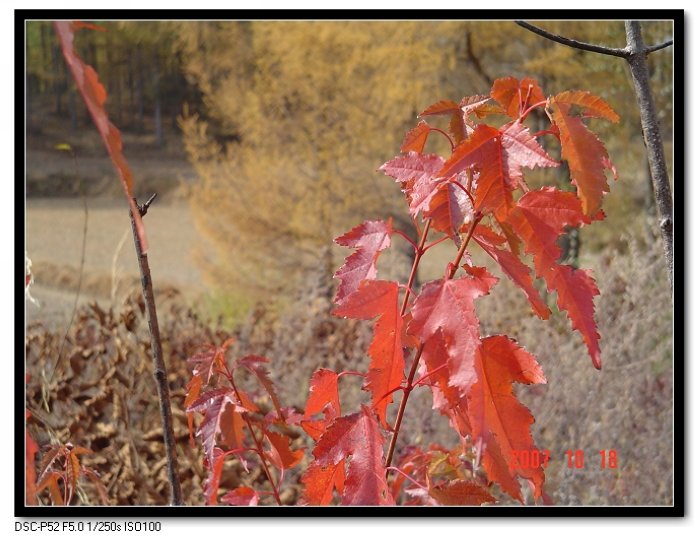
(399, 232)
(533, 107)
(414, 270)
(452, 144)
(419, 352)
(258, 444)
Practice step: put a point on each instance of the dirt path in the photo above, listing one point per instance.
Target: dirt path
(54, 235)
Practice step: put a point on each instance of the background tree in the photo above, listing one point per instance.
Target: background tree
(299, 115)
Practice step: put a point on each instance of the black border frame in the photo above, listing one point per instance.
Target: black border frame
(678, 509)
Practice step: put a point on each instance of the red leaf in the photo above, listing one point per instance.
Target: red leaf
(323, 397)
(441, 108)
(450, 209)
(449, 305)
(205, 362)
(213, 404)
(511, 265)
(94, 96)
(253, 363)
(587, 157)
(280, 452)
(512, 94)
(380, 298)
(539, 219)
(31, 449)
(446, 398)
(522, 149)
(500, 424)
(416, 138)
(369, 238)
(358, 438)
(211, 484)
(319, 481)
(592, 104)
(241, 496)
(460, 493)
(418, 175)
(483, 150)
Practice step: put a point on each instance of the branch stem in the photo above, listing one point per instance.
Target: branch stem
(159, 370)
(414, 367)
(573, 43)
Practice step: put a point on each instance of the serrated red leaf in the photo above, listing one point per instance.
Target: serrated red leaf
(586, 155)
(232, 427)
(213, 404)
(369, 238)
(358, 438)
(460, 493)
(380, 298)
(483, 149)
(539, 219)
(416, 138)
(281, 454)
(593, 105)
(214, 468)
(205, 362)
(512, 94)
(449, 305)
(241, 496)
(419, 178)
(522, 149)
(441, 108)
(446, 398)
(94, 95)
(500, 424)
(254, 364)
(511, 265)
(323, 397)
(450, 209)
(320, 480)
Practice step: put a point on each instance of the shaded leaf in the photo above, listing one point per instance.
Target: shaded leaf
(460, 493)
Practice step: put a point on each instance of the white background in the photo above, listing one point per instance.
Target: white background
(396, 528)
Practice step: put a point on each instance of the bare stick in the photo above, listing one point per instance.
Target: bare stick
(159, 371)
(652, 138)
(610, 51)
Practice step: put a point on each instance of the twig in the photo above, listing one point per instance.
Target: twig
(660, 46)
(610, 51)
(159, 371)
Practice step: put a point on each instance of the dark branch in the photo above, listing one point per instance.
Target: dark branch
(621, 53)
(659, 46)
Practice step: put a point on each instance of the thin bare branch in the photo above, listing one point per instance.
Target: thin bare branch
(610, 51)
(660, 46)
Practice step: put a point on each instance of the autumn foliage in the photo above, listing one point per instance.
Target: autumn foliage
(478, 198)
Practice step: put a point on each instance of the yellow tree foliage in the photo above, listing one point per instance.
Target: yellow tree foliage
(299, 116)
